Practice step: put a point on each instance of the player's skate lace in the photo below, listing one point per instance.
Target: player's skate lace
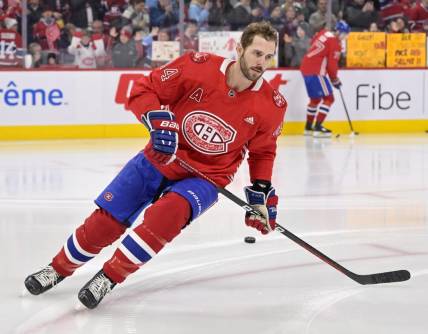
(100, 286)
(95, 290)
(47, 276)
(43, 280)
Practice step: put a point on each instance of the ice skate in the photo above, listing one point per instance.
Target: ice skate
(42, 280)
(321, 132)
(95, 290)
(308, 130)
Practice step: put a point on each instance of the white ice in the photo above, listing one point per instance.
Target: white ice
(362, 201)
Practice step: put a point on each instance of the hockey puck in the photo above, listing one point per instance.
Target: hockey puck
(250, 240)
(338, 135)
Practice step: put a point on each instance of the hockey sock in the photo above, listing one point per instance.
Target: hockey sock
(311, 111)
(310, 116)
(99, 230)
(163, 221)
(322, 114)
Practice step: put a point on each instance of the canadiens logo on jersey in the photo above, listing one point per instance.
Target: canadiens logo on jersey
(200, 57)
(108, 196)
(278, 99)
(207, 133)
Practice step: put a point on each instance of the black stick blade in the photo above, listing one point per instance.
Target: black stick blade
(388, 277)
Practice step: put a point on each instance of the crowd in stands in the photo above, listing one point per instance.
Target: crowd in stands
(120, 33)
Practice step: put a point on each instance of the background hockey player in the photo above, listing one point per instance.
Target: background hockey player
(319, 67)
(218, 110)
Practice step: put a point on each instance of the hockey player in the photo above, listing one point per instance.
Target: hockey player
(218, 110)
(321, 60)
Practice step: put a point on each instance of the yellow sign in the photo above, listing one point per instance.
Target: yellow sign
(406, 50)
(365, 49)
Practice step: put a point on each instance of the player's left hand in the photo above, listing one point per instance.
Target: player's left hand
(163, 134)
(261, 196)
(336, 83)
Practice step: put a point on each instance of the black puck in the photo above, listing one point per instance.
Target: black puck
(250, 240)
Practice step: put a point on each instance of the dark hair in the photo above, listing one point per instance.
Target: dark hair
(263, 29)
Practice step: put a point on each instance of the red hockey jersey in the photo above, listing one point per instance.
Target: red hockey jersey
(10, 48)
(323, 56)
(418, 16)
(217, 124)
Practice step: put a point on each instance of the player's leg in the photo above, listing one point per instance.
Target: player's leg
(314, 91)
(324, 108)
(119, 205)
(163, 221)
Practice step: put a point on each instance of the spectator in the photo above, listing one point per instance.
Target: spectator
(157, 34)
(266, 7)
(86, 49)
(306, 8)
(112, 17)
(52, 59)
(84, 12)
(165, 14)
(35, 11)
(137, 15)
(243, 14)
(35, 51)
(217, 13)
(373, 27)
(199, 12)
(11, 43)
(418, 16)
(297, 46)
(391, 9)
(47, 32)
(318, 19)
(190, 40)
(124, 52)
(97, 29)
(59, 6)
(360, 14)
(277, 19)
(291, 21)
(397, 26)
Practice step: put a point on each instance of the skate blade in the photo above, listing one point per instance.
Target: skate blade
(79, 307)
(24, 293)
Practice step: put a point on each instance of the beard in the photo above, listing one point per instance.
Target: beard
(246, 71)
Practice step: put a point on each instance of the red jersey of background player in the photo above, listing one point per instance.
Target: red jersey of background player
(217, 125)
(10, 48)
(323, 56)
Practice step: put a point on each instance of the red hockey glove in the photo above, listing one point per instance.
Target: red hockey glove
(261, 196)
(163, 134)
(336, 83)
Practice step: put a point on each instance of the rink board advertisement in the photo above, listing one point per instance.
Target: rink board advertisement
(97, 98)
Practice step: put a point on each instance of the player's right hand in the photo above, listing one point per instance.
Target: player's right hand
(336, 83)
(163, 134)
(261, 196)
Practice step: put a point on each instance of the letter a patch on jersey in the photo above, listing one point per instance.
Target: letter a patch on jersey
(169, 73)
(197, 95)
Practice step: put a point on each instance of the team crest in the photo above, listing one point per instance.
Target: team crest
(207, 133)
(108, 196)
(199, 57)
(278, 99)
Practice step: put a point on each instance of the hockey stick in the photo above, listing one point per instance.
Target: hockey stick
(347, 114)
(386, 277)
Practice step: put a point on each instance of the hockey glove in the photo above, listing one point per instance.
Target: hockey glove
(336, 83)
(163, 134)
(261, 196)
